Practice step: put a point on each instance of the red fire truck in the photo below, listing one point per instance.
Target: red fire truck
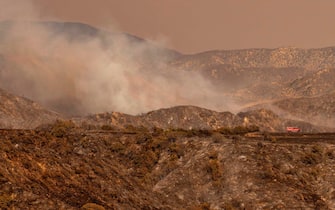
(293, 129)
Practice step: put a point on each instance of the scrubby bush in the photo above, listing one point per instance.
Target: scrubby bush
(60, 128)
(176, 149)
(314, 155)
(201, 206)
(106, 127)
(179, 132)
(239, 130)
(159, 143)
(88, 126)
(5, 200)
(217, 137)
(213, 166)
(157, 131)
(117, 147)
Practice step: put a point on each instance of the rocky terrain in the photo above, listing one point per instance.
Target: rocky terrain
(62, 166)
(319, 110)
(249, 78)
(177, 157)
(265, 78)
(190, 118)
(315, 84)
(19, 112)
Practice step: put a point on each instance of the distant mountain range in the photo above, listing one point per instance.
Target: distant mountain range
(282, 84)
(297, 81)
(76, 32)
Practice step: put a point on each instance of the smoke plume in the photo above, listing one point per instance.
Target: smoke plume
(75, 69)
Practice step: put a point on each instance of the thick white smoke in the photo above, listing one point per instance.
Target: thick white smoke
(97, 73)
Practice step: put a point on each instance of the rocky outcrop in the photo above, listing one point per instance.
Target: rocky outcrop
(19, 112)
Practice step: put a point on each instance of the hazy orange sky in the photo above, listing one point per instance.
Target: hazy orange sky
(198, 25)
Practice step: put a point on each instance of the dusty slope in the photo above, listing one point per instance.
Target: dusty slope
(40, 171)
(80, 32)
(315, 84)
(256, 76)
(62, 167)
(309, 59)
(319, 110)
(185, 117)
(19, 112)
(249, 77)
(191, 117)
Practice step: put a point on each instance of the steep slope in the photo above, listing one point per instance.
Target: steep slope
(315, 84)
(255, 75)
(68, 66)
(270, 121)
(19, 112)
(183, 117)
(72, 68)
(194, 118)
(155, 169)
(245, 175)
(309, 59)
(41, 171)
(317, 110)
(80, 32)
(294, 83)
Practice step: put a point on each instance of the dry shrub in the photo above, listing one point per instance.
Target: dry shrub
(117, 147)
(314, 155)
(217, 137)
(61, 127)
(233, 204)
(213, 166)
(88, 126)
(5, 200)
(177, 149)
(107, 127)
(159, 143)
(239, 130)
(157, 131)
(201, 206)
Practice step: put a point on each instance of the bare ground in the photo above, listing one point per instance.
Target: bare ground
(66, 167)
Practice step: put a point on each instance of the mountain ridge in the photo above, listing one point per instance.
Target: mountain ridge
(21, 113)
(179, 157)
(247, 76)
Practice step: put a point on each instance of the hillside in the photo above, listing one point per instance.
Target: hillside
(184, 117)
(68, 67)
(52, 72)
(274, 79)
(317, 110)
(80, 32)
(248, 72)
(194, 118)
(309, 59)
(19, 112)
(315, 84)
(67, 167)
(128, 131)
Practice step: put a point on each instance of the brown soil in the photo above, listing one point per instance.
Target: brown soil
(61, 166)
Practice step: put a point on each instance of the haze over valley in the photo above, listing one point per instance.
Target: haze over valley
(75, 69)
(96, 117)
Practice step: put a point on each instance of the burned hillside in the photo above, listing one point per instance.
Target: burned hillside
(62, 166)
